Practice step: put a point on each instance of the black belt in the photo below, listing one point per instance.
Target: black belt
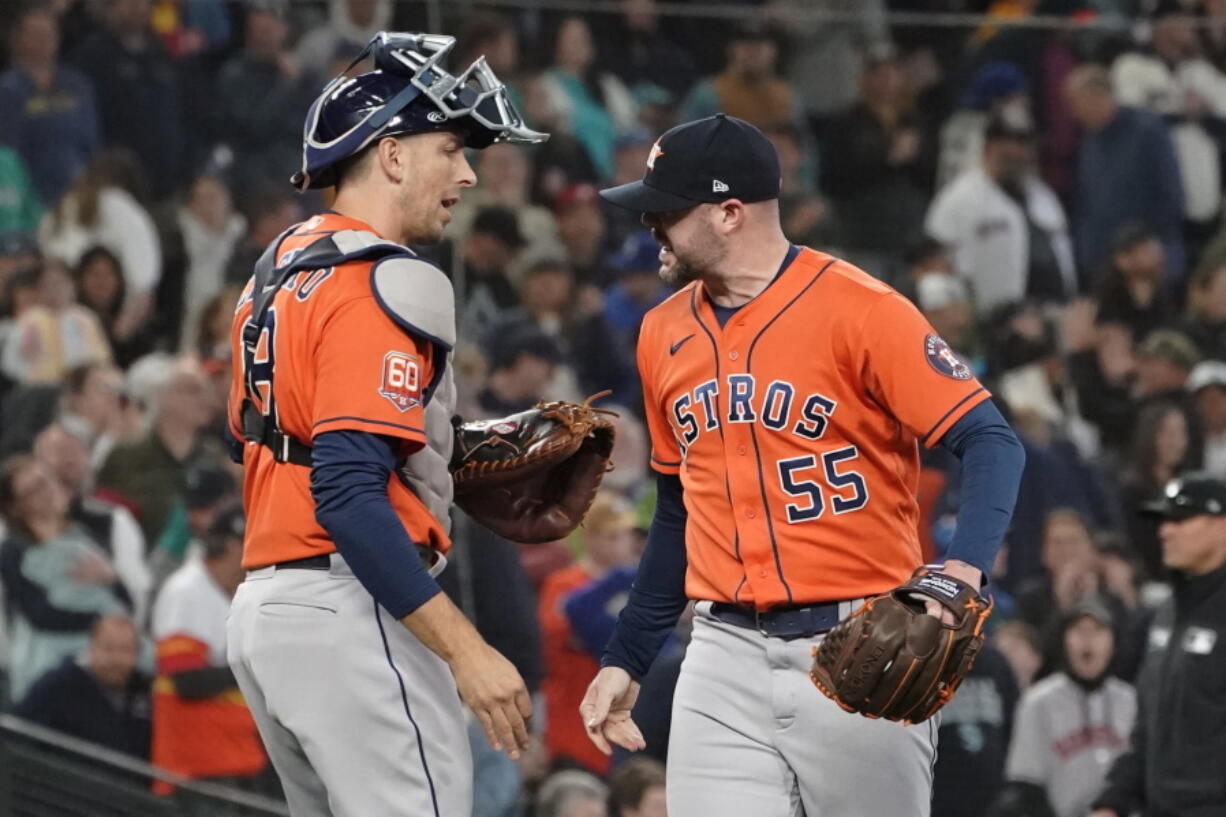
(320, 562)
(785, 622)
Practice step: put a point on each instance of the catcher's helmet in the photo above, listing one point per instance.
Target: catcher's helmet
(407, 92)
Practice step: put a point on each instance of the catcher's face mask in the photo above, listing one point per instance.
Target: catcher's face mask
(407, 92)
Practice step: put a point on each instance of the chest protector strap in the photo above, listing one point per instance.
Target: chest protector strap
(269, 279)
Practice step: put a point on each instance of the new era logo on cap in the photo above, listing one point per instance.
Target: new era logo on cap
(709, 161)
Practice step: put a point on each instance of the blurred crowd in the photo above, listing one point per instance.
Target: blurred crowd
(1050, 198)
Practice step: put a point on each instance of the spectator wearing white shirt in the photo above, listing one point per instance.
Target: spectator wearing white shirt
(1171, 78)
(101, 210)
(1005, 227)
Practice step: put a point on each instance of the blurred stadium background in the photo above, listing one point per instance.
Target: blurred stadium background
(1042, 177)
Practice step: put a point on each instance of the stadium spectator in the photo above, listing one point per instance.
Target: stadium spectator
(199, 241)
(586, 101)
(54, 334)
(749, 87)
(1159, 454)
(1206, 319)
(582, 231)
(521, 368)
(1135, 291)
(90, 407)
(1105, 201)
(637, 287)
(1171, 79)
(149, 473)
(974, 733)
(877, 166)
(944, 301)
(270, 209)
(201, 727)
(806, 216)
(835, 49)
(505, 172)
(578, 610)
(997, 89)
(1070, 571)
(636, 788)
(140, 104)
(102, 208)
(261, 93)
(647, 58)
(56, 579)
(101, 288)
(1019, 644)
(100, 696)
(1006, 228)
(350, 25)
(1207, 384)
(1071, 725)
(552, 303)
(572, 793)
(208, 489)
(1102, 367)
(112, 527)
(19, 208)
(49, 116)
(483, 270)
(1165, 358)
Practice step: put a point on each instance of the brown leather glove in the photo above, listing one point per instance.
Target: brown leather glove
(532, 476)
(890, 659)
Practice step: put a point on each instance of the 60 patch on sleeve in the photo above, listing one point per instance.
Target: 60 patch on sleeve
(401, 382)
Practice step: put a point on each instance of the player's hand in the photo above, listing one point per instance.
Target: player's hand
(959, 570)
(492, 688)
(606, 711)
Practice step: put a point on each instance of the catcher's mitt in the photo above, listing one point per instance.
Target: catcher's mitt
(889, 659)
(532, 476)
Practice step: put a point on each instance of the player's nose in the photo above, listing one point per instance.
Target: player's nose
(468, 176)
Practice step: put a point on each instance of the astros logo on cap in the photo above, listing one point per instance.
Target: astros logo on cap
(655, 153)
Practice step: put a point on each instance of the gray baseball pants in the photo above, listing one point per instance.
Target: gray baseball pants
(751, 735)
(359, 718)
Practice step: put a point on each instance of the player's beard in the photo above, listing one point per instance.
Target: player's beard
(704, 253)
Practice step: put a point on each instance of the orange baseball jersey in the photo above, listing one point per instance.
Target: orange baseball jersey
(794, 429)
(329, 358)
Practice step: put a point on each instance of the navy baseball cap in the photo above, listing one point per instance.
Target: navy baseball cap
(1193, 494)
(703, 162)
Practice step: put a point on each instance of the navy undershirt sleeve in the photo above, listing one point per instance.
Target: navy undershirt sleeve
(658, 594)
(992, 462)
(349, 475)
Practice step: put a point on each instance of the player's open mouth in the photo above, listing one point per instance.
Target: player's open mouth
(450, 202)
(662, 240)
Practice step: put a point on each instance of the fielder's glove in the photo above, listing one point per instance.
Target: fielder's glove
(890, 659)
(532, 476)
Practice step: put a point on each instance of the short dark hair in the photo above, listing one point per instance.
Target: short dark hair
(631, 781)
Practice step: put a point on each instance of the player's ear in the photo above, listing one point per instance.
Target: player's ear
(392, 155)
(731, 214)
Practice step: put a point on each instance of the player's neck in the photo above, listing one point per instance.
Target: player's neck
(746, 271)
(370, 209)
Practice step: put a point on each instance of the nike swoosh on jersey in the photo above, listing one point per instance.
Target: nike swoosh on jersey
(672, 350)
